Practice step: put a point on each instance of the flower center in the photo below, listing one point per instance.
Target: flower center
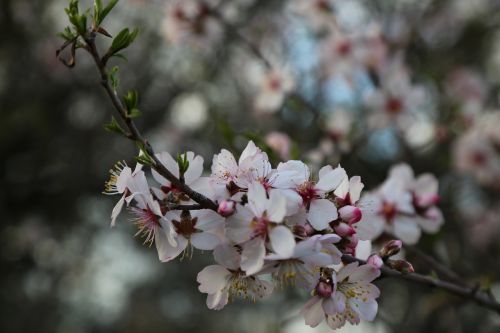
(479, 158)
(275, 84)
(186, 225)
(394, 105)
(307, 192)
(389, 210)
(260, 226)
(146, 221)
(344, 48)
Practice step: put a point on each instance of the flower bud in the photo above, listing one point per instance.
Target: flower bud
(375, 261)
(226, 208)
(391, 248)
(344, 230)
(402, 266)
(324, 289)
(350, 214)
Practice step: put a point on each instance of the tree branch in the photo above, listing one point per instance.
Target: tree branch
(482, 298)
(135, 135)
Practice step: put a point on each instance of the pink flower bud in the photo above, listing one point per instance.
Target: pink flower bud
(344, 230)
(227, 208)
(391, 248)
(324, 289)
(402, 266)
(375, 261)
(350, 214)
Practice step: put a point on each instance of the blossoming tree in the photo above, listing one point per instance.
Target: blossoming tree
(294, 224)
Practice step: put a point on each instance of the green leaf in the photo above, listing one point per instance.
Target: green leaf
(183, 163)
(131, 99)
(114, 127)
(113, 78)
(134, 113)
(106, 10)
(123, 40)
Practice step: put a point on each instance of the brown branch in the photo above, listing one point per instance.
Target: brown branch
(474, 294)
(443, 271)
(135, 135)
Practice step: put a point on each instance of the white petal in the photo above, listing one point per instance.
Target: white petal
(224, 165)
(228, 256)
(250, 150)
(167, 252)
(195, 168)
(407, 230)
(212, 279)
(313, 312)
(355, 188)
(207, 219)
(218, 300)
(364, 273)
(116, 210)
(205, 241)
(346, 271)
(257, 198)
(321, 213)
(366, 310)
(238, 226)
(331, 179)
(276, 207)
(252, 256)
(168, 161)
(282, 241)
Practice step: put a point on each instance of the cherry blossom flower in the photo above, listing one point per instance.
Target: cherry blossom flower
(311, 195)
(308, 255)
(476, 151)
(280, 143)
(201, 229)
(224, 281)
(118, 183)
(402, 206)
(190, 21)
(396, 101)
(274, 85)
(258, 222)
(344, 296)
(152, 226)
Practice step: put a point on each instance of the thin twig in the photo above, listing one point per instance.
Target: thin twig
(135, 134)
(473, 294)
(443, 271)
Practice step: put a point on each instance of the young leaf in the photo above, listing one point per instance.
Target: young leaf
(113, 78)
(114, 127)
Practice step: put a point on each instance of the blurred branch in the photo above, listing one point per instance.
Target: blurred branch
(435, 265)
(474, 294)
(255, 50)
(134, 134)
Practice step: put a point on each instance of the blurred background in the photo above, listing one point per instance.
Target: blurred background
(363, 83)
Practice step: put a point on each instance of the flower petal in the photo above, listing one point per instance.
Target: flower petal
(321, 212)
(212, 279)
(252, 256)
(282, 241)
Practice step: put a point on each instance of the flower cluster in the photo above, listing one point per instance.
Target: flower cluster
(272, 224)
(402, 206)
(477, 150)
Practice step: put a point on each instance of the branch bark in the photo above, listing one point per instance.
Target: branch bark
(474, 294)
(135, 135)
